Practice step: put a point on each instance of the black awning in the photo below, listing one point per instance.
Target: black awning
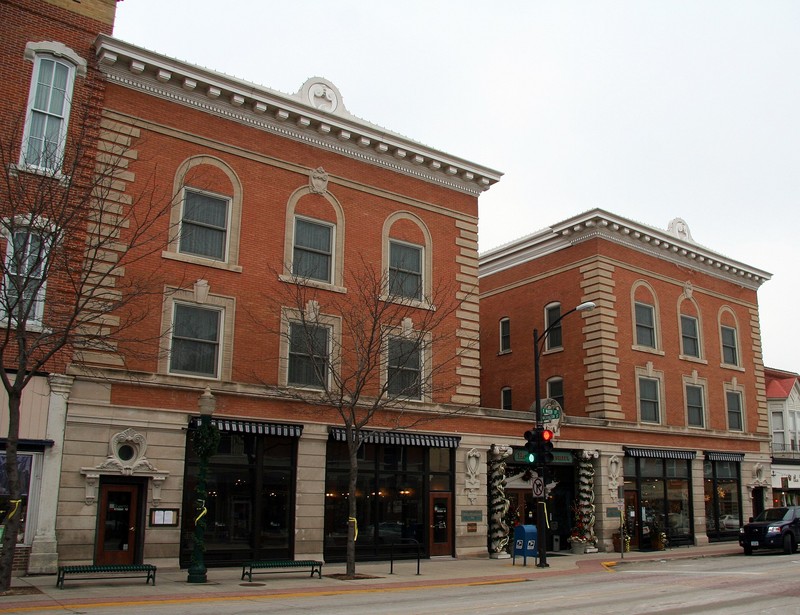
(659, 453)
(716, 456)
(401, 438)
(30, 446)
(251, 427)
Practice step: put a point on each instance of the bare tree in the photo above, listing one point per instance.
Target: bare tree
(372, 355)
(68, 232)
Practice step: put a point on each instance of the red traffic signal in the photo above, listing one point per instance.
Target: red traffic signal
(547, 455)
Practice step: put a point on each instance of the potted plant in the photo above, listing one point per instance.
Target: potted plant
(578, 538)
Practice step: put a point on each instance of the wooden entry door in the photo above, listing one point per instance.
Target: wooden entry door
(441, 533)
(117, 529)
(633, 522)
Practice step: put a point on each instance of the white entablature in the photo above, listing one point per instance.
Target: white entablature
(315, 114)
(674, 244)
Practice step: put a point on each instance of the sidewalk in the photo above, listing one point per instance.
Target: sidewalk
(41, 592)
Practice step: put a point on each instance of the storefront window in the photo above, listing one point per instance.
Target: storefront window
(391, 492)
(8, 507)
(722, 490)
(250, 500)
(657, 501)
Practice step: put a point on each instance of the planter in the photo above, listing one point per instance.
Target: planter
(578, 548)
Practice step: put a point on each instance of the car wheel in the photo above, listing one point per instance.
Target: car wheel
(788, 544)
(748, 550)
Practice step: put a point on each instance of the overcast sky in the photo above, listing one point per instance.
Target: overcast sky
(649, 109)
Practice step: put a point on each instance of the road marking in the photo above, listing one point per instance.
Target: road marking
(249, 597)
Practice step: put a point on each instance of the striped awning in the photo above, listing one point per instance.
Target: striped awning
(660, 453)
(401, 438)
(717, 456)
(251, 427)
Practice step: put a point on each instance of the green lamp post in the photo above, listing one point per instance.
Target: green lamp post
(205, 441)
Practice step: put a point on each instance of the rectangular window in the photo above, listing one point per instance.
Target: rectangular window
(505, 398)
(690, 339)
(505, 335)
(405, 270)
(552, 314)
(695, 415)
(734, 401)
(204, 226)
(778, 433)
(308, 355)
(405, 368)
(645, 325)
(195, 341)
(555, 390)
(648, 400)
(48, 113)
(24, 285)
(730, 353)
(313, 245)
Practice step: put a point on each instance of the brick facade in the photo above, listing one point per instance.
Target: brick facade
(618, 264)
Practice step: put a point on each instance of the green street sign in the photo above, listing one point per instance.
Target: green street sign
(551, 413)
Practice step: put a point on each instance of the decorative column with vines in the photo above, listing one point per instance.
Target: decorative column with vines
(498, 502)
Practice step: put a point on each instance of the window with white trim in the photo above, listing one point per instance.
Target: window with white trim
(505, 398)
(505, 335)
(778, 433)
(405, 270)
(25, 283)
(690, 336)
(196, 339)
(313, 250)
(733, 402)
(404, 368)
(730, 346)
(554, 337)
(309, 355)
(645, 325)
(695, 405)
(649, 400)
(204, 225)
(47, 115)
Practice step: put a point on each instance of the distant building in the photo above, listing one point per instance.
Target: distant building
(662, 384)
(783, 399)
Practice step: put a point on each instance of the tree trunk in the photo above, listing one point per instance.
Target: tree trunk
(352, 448)
(14, 514)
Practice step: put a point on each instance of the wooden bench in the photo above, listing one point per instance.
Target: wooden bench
(278, 565)
(109, 571)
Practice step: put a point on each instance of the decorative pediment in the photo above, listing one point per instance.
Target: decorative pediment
(126, 457)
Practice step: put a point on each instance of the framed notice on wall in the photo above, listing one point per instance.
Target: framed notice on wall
(164, 517)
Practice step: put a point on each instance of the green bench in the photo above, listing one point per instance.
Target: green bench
(278, 565)
(109, 571)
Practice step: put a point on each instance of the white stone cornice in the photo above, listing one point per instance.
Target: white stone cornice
(668, 245)
(316, 114)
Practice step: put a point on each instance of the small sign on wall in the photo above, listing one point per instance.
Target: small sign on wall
(471, 515)
(472, 528)
(167, 517)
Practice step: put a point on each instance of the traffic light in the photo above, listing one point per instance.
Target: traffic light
(531, 446)
(546, 450)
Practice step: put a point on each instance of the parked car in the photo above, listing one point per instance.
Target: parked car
(729, 522)
(774, 528)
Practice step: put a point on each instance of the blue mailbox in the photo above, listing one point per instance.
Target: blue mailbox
(526, 543)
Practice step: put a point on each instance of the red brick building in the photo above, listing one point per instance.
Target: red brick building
(265, 211)
(661, 385)
(51, 104)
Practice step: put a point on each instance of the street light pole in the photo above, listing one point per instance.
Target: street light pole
(541, 503)
(205, 442)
